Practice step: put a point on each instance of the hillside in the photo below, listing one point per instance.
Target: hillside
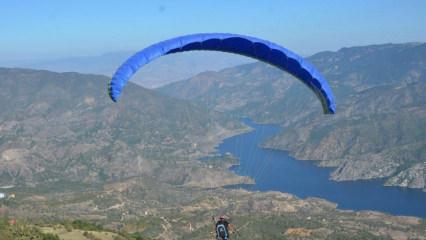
(63, 127)
(82, 167)
(377, 131)
(152, 211)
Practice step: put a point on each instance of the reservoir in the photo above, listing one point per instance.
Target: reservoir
(275, 170)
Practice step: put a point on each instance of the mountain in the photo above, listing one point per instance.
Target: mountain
(164, 70)
(84, 167)
(63, 127)
(381, 107)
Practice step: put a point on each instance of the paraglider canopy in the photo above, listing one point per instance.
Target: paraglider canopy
(225, 42)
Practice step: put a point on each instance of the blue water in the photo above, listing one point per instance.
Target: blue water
(276, 170)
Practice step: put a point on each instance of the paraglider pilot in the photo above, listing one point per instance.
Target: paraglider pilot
(223, 228)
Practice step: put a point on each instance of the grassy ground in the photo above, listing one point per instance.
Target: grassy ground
(77, 234)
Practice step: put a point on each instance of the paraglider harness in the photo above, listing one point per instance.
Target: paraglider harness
(222, 232)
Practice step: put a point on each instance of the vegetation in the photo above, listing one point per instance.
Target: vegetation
(356, 236)
(22, 231)
(85, 225)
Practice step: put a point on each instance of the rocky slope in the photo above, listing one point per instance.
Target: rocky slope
(377, 131)
(57, 127)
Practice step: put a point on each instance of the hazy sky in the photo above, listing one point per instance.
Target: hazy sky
(57, 28)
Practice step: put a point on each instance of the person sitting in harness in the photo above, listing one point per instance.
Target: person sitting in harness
(222, 228)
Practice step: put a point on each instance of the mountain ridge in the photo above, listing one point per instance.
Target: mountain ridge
(159, 72)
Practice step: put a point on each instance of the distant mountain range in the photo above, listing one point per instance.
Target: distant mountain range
(162, 71)
(381, 109)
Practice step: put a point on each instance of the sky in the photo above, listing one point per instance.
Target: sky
(51, 29)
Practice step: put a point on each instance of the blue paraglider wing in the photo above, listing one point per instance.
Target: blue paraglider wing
(244, 45)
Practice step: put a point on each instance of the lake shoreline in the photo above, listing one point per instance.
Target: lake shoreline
(281, 170)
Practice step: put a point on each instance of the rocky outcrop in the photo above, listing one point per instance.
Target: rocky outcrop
(369, 167)
(412, 177)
